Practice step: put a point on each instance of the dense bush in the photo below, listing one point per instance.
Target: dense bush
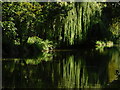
(40, 43)
(115, 30)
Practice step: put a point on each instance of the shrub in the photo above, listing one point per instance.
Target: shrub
(104, 44)
(100, 43)
(40, 43)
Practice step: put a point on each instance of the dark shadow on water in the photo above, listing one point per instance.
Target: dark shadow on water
(63, 69)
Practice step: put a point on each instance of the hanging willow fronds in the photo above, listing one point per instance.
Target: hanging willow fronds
(73, 28)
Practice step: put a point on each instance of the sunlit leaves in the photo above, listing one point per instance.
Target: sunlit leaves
(79, 20)
(23, 15)
(9, 29)
(41, 44)
(114, 29)
(62, 22)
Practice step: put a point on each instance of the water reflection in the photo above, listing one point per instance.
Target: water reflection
(83, 69)
(113, 65)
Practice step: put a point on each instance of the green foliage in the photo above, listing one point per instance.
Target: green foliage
(109, 44)
(64, 23)
(40, 44)
(112, 17)
(100, 43)
(73, 29)
(30, 18)
(9, 32)
(9, 28)
(103, 44)
(23, 16)
(45, 56)
(115, 32)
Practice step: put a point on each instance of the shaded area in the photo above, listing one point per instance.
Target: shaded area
(57, 25)
(83, 69)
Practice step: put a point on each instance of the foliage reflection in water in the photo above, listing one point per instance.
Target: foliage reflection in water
(73, 69)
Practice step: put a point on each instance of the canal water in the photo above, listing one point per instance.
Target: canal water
(63, 69)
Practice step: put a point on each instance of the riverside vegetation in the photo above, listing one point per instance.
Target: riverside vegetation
(32, 27)
(60, 45)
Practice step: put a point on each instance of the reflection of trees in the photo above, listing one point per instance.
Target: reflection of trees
(74, 73)
(84, 70)
(113, 64)
(68, 70)
(96, 64)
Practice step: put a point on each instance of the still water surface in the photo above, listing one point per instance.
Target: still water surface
(63, 69)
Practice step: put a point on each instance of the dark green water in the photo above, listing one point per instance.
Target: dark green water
(63, 69)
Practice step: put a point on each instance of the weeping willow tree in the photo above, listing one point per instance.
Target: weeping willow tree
(73, 28)
(79, 20)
